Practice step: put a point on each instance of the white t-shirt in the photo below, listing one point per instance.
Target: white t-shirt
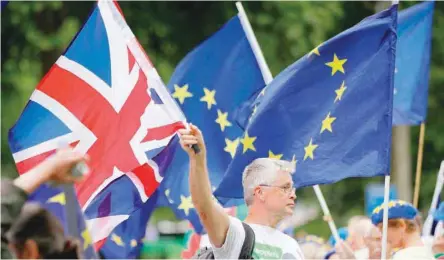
(270, 243)
(414, 252)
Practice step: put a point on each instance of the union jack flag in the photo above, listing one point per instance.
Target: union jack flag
(103, 97)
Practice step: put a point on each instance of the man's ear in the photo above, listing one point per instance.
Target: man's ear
(259, 192)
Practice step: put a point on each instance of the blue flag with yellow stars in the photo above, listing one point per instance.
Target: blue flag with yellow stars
(209, 83)
(329, 113)
(413, 64)
(126, 240)
(55, 200)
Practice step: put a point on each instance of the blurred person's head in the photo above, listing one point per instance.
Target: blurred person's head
(268, 188)
(37, 234)
(372, 240)
(358, 227)
(403, 230)
(313, 247)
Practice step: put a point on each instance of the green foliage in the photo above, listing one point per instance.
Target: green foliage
(34, 35)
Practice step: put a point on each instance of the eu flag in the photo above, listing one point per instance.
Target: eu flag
(413, 64)
(126, 239)
(209, 83)
(55, 199)
(329, 113)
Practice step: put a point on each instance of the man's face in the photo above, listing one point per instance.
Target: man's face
(280, 195)
(395, 236)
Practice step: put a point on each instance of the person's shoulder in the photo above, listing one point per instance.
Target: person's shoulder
(287, 237)
(290, 241)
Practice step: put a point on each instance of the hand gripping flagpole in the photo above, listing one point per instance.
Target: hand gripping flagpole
(266, 73)
(427, 228)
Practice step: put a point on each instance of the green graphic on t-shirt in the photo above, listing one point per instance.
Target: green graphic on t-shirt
(265, 251)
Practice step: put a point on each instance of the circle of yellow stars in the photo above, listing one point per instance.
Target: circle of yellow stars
(247, 141)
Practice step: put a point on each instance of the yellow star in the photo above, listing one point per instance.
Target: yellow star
(117, 239)
(133, 243)
(309, 149)
(231, 146)
(186, 204)
(59, 198)
(274, 156)
(336, 65)
(326, 123)
(222, 120)
(248, 143)
(392, 204)
(209, 97)
(294, 161)
(181, 93)
(315, 51)
(86, 239)
(340, 91)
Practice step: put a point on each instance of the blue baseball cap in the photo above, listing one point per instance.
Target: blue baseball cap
(396, 209)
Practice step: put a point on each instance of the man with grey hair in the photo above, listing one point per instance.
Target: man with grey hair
(269, 195)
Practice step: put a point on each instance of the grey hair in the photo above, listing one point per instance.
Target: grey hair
(262, 171)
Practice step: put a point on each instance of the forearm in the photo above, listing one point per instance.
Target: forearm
(32, 179)
(200, 185)
(213, 217)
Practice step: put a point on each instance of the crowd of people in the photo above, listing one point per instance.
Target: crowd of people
(31, 232)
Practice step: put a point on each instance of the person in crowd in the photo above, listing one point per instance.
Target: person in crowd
(372, 240)
(313, 247)
(28, 231)
(268, 192)
(358, 227)
(36, 234)
(403, 231)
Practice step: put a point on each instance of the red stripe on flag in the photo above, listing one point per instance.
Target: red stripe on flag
(99, 244)
(164, 131)
(146, 175)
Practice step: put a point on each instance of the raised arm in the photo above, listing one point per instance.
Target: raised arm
(212, 215)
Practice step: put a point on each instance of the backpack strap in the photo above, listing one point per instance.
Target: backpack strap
(248, 245)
